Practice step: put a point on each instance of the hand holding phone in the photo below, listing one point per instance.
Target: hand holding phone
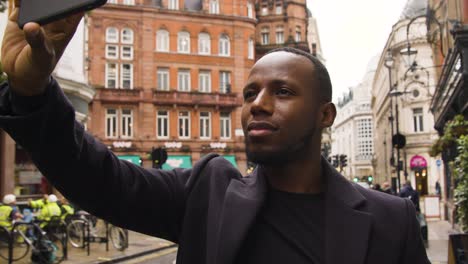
(30, 55)
(45, 11)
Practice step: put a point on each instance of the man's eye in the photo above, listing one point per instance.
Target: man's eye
(283, 91)
(248, 94)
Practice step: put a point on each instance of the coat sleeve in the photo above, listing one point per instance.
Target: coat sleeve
(414, 250)
(149, 201)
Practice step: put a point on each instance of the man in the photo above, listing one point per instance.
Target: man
(293, 208)
(9, 211)
(408, 192)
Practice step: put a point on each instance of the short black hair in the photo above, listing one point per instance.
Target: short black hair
(320, 70)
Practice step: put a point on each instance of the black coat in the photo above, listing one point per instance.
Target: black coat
(208, 209)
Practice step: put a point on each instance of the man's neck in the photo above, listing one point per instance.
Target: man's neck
(303, 175)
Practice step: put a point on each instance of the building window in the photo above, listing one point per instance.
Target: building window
(111, 123)
(279, 8)
(298, 34)
(365, 148)
(251, 49)
(129, 2)
(224, 82)
(174, 4)
(418, 120)
(112, 1)
(112, 52)
(214, 7)
(183, 81)
(204, 46)
(264, 10)
(183, 42)
(112, 35)
(127, 36)
(162, 40)
(204, 81)
(225, 120)
(163, 124)
(111, 75)
(224, 46)
(250, 10)
(126, 76)
(163, 79)
(279, 35)
(127, 123)
(205, 125)
(126, 52)
(184, 124)
(265, 36)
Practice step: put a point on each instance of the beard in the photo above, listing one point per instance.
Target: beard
(285, 153)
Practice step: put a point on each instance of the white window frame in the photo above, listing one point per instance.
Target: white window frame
(185, 120)
(126, 36)
(250, 10)
(173, 4)
(264, 10)
(114, 54)
(162, 124)
(162, 75)
(129, 2)
(112, 1)
(124, 78)
(279, 35)
(224, 45)
(181, 37)
(250, 49)
(278, 9)
(126, 123)
(204, 43)
(112, 35)
(111, 119)
(162, 40)
(205, 125)
(224, 80)
(225, 125)
(109, 76)
(265, 34)
(126, 55)
(183, 81)
(298, 34)
(204, 81)
(418, 120)
(214, 7)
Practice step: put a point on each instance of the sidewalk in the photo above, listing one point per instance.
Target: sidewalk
(438, 232)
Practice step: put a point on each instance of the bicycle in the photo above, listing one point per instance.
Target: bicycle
(83, 230)
(19, 246)
(43, 250)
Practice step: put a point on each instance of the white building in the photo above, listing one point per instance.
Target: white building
(412, 88)
(352, 132)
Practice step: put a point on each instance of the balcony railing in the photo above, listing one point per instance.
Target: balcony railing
(196, 98)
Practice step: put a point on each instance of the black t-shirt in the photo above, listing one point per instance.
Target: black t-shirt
(289, 229)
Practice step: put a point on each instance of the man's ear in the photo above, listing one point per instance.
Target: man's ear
(328, 114)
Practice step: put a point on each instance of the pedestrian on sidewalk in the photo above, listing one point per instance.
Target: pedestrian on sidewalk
(294, 200)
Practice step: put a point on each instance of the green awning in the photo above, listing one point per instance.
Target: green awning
(135, 159)
(232, 159)
(182, 161)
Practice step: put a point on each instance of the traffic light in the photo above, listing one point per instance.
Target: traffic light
(356, 179)
(370, 178)
(335, 161)
(158, 157)
(343, 160)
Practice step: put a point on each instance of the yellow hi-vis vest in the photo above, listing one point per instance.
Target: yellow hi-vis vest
(67, 210)
(5, 213)
(49, 210)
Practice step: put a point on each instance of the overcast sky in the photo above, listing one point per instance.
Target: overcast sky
(351, 33)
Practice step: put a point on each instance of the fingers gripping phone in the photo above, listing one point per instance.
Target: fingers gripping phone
(45, 11)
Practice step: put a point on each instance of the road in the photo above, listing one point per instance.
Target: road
(167, 256)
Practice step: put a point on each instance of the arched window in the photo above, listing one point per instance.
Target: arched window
(224, 45)
(183, 42)
(279, 35)
(112, 35)
(265, 36)
(204, 45)
(127, 36)
(162, 40)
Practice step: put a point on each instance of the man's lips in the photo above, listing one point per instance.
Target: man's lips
(257, 129)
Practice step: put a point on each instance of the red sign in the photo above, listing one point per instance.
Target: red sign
(418, 162)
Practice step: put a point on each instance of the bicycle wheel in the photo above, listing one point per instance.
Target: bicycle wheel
(20, 246)
(76, 233)
(4, 235)
(58, 243)
(118, 238)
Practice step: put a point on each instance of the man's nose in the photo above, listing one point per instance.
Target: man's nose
(263, 103)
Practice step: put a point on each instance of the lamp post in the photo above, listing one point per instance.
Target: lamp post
(388, 63)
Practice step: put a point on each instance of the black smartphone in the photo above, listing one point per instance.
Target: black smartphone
(46, 11)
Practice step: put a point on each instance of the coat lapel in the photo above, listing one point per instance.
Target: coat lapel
(241, 204)
(347, 229)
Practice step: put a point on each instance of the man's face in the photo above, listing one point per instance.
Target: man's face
(280, 115)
